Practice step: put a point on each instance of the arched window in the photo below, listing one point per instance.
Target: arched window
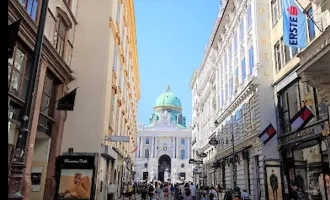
(180, 119)
(183, 154)
(182, 141)
(147, 140)
(146, 153)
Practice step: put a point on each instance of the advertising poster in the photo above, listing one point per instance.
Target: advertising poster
(274, 183)
(75, 184)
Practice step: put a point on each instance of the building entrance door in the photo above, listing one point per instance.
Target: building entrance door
(164, 168)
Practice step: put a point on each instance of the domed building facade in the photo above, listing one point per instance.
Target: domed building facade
(164, 145)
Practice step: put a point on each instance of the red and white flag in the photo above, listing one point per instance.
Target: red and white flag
(267, 134)
(135, 148)
(301, 119)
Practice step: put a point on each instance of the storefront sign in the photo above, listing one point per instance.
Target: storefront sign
(303, 134)
(77, 173)
(119, 138)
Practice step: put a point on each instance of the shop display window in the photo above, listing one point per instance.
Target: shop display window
(309, 174)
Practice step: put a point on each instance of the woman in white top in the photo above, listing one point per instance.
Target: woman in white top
(212, 194)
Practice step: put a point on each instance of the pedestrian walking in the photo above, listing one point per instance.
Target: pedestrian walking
(151, 191)
(111, 191)
(172, 189)
(129, 190)
(212, 194)
(193, 191)
(144, 191)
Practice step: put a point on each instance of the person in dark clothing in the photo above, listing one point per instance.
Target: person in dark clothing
(144, 191)
(151, 191)
(273, 180)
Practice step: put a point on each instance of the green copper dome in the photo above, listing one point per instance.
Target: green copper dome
(169, 99)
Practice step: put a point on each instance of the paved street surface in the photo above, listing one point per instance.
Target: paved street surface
(138, 197)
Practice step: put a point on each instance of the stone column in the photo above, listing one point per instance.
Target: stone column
(177, 147)
(34, 125)
(140, 150)
(173, 147)
(156, 148)
(152, 147)
(188, 153)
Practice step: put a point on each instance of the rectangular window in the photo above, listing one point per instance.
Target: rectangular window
(236, 78)
(120, 77)
(231, 86)
(61, 36)
(48, 101)
(118, 12)
(235, 42)
(222, 99)
(276, 10)
(278, 56)
(225, 61)
(294, 51)
(225, 93)
(69, 53)
(310, 24)
(230, 52)
(182, 141)
(249, 13)
(243, 69)
(289, 105)
(112, 110)
(19, 67)
(252, 114)
(31, 7)
(115, 59)
(117, 120)
(251, 59)
(147, 140)
(241, 31)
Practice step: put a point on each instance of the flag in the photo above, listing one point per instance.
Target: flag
(13, 30)
(135, 148)
(267, 134)
(294, 25)
(301, 119)
(67, 101)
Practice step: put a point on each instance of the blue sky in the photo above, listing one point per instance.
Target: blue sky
(171, 38)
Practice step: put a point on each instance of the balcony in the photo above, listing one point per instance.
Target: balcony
(314, 62)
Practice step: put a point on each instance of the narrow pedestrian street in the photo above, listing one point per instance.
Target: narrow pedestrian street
(215, 99)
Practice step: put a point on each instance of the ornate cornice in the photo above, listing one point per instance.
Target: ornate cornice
(247, 91)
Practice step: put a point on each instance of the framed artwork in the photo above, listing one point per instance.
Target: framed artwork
(274, 183)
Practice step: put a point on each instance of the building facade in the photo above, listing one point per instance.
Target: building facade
(106, 68)
(233, 100)
(53, 76)
(164, 145)
(301, 80)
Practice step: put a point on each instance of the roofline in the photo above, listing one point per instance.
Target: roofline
(212, 37)
(193, 79)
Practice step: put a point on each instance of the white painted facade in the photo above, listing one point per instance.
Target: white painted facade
(233, 87)
(163, 138)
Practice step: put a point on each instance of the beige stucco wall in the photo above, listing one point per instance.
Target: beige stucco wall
(85, 126)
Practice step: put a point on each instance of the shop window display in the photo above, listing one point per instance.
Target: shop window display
(309, 172)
